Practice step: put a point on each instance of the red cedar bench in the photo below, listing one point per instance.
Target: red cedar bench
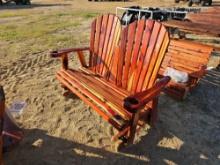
(119, 82)
(189, 57)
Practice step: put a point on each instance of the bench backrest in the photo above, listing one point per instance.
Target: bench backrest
(186, 56)
(129, 58)
(139, 56)
(105, 33)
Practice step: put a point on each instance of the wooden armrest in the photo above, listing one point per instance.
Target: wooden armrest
(59, 53)
(199, 73)
(134, 102)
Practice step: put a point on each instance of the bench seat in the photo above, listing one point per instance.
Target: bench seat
(106, 95)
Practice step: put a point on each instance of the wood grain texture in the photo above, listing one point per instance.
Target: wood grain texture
(140, 46)
(189, 57)
(122, 63)
(105, 35)
(194, 27)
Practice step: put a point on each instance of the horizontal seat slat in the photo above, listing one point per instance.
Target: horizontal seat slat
(110, 97)
(69, 84)
(99, 87)
(186, 64)
(199, 53)
(191, 45)
(187, 56)
(102, 80)
(181, 67)
(182, 60)
(190, 57)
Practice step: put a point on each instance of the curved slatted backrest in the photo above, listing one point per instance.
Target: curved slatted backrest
(186, 56)
(105, 33)
(139, 56)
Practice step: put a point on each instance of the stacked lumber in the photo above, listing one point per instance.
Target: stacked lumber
(205, 22)
(194, 27)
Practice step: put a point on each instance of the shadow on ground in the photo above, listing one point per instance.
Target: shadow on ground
(179, 138)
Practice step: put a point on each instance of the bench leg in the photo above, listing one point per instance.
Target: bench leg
(185, 93)
(154, 112)
(127, 135)
(66, 91)
(121, 134)
(133, 127)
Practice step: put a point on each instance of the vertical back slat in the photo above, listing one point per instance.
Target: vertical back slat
(149, 52)
(101, 42)
(159, 59)
(144, 46)
(114, 66)
(113, 41)
(105, 48)
(135, 53)
(104, 37)
(128, 54)
(96, 43)
(149, 79)
(121, 59)
(92, 41)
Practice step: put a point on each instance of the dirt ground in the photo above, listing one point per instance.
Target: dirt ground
(188, 132)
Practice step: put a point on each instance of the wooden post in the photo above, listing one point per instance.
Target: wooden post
(154, 112)
(2, 109)
(65, 61)
(134, 123)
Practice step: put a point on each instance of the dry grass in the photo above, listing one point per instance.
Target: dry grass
(24, 31)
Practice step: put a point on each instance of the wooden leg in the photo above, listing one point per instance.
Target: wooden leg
(66, 90)
(120, 134)
(64, 60)
(154, 112)
(134, 123)
(185, 94)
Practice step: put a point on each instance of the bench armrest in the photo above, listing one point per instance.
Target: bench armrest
(64, 58)
(59, 53)
(199, 73)
(137, 101)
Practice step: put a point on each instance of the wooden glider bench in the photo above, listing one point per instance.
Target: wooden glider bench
(189, 57)
(119, 80)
